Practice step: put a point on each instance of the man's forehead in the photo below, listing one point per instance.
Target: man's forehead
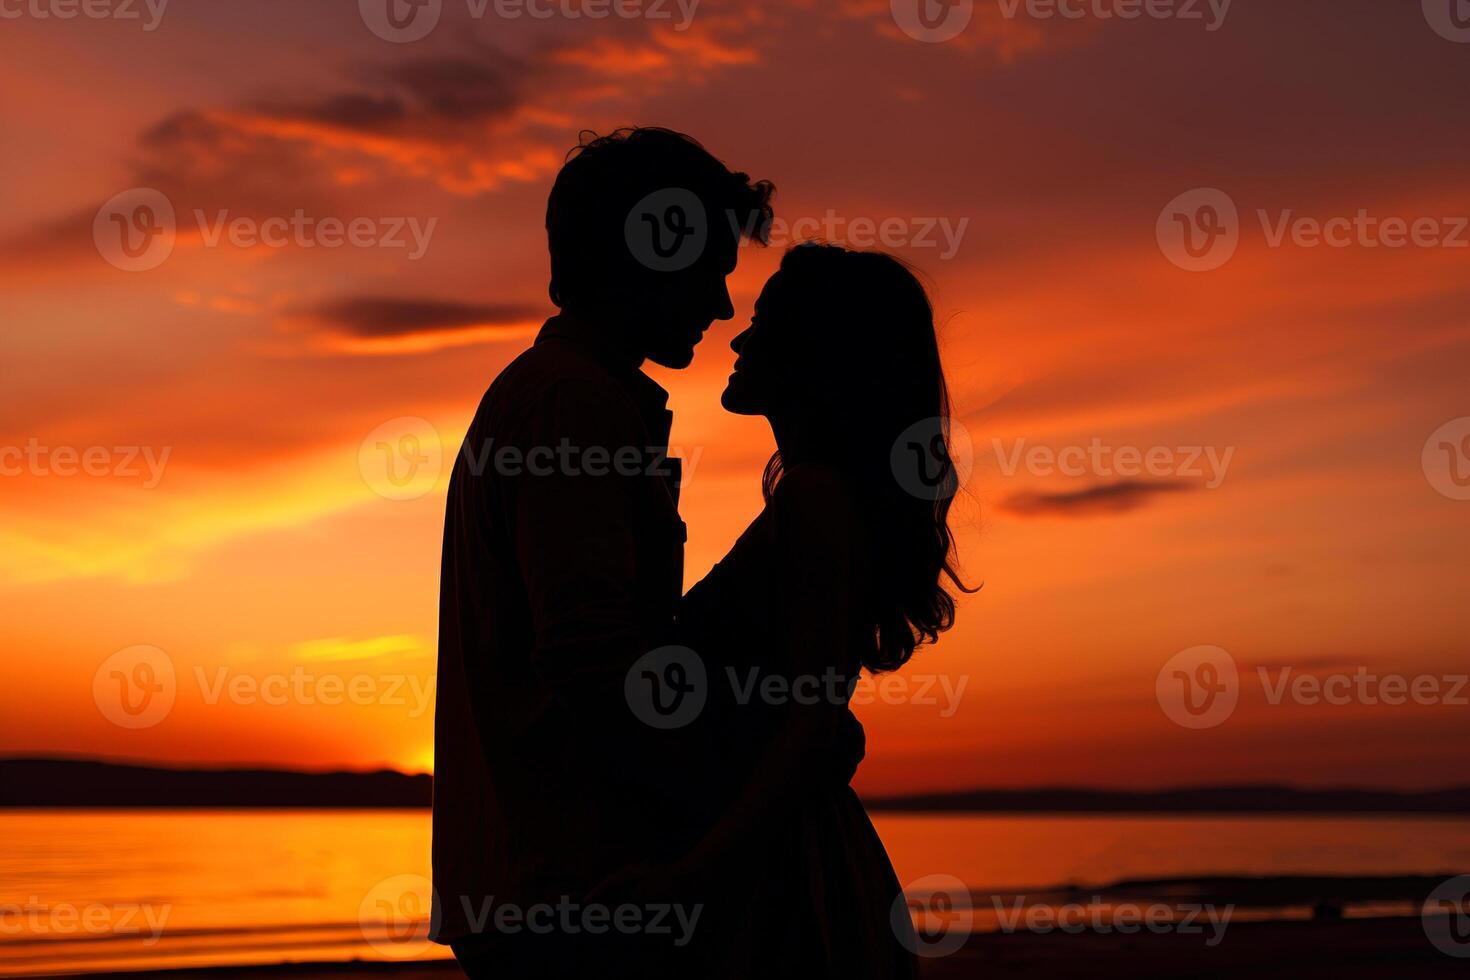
(725, 248)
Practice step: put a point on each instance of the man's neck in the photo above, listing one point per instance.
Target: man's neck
(607, 334)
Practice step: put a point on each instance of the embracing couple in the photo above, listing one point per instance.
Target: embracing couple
(606, 802)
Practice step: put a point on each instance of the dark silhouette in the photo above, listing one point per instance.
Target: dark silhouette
(1186, 800)
(839, 573)
(843, 360)
(65, 782)
(94, 783)
(590, 752)
(563, 560)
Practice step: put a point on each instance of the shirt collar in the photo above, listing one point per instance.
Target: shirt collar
(650, 397)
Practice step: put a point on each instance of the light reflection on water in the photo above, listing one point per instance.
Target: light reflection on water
(132, 889)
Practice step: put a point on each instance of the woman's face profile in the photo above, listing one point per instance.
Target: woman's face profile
(762, 360)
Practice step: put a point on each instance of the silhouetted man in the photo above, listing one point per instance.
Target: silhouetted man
(563, 559)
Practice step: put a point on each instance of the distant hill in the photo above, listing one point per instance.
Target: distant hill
(82, 783)
(1203, 799)
(94, 783)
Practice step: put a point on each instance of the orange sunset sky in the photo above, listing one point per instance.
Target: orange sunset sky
(1049, 147)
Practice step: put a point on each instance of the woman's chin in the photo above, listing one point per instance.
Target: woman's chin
(736, 400)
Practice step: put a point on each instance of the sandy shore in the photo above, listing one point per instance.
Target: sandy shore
(1343, 950)
(1388, 949)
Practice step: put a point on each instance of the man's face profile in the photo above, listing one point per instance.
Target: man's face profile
(682, 305)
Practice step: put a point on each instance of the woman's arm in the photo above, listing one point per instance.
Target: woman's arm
(816, 559)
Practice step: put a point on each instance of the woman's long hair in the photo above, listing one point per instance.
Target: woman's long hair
(867, 354)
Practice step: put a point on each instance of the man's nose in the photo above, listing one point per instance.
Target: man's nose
(724, 306)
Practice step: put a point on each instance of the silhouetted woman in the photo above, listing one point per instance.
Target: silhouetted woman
(842, 572)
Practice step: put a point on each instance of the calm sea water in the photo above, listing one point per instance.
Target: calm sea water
(93, 890)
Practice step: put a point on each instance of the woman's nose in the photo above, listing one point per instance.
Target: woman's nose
(739, 340)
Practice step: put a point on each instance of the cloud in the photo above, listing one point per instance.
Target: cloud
(989, 30)
(469, 122)
(1105, 498)
(337, 648)
(366, 316)
(417, 95)
(462, 121)
(389, 325)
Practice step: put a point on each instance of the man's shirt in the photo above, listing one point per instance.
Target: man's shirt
(562, 565)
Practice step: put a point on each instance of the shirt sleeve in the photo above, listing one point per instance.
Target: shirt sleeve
(576, 539)
(575, 529)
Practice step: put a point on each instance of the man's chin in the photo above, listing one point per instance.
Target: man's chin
(676, 358)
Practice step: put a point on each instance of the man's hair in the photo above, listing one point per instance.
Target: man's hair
(604, 177)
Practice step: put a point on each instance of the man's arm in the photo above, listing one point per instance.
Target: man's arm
(576, 541)
(575, 538)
